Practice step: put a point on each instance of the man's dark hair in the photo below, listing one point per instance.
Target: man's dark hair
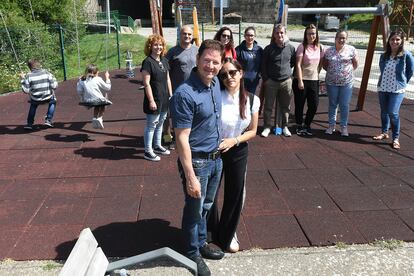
(213, 45)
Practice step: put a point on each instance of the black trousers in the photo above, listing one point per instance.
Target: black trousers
(310, 93)
(222, 227)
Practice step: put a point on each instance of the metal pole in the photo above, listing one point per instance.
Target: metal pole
(108, 16)
(117, 46)
(240, 31)
(221, 13)
(378, 10)
(62, 50)
(202, 31)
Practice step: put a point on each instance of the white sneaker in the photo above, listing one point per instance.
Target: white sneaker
(344, 131)
(265, 132)
(330, 129)
(286, 132)
(161, 150)
(99, 123)
(151, 156)
(234, 245)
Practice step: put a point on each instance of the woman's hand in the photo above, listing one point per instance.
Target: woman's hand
(227, 144)
(301, 86)
(152, 105)
(106, 75)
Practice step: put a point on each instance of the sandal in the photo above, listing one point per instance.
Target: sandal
(381, 136)
(396, 144)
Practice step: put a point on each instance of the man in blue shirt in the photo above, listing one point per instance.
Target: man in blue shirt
(195, 111)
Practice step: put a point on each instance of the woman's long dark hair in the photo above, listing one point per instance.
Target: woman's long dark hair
(305, 39)
(220, 32)
(243, 94)
(388, 52)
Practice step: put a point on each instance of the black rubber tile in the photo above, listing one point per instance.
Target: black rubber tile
(61, 208)
(335, 177)
(396, 197)
(301, 178)
(407, 215)
(376, 177)
(46, 242)
(308, 199)
(356, 199)
(378, 225)
(328, 228)
(18, 212)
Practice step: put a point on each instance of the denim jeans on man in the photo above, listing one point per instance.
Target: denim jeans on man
(390, 104)
(339, 95)
(33, 108)
(153, 130)
(194, 222)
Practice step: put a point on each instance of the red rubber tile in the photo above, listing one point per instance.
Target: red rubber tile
(125, 167)
(78, 187)
(171, 184)
(328, 228)
(378, 225)
(62, 208)
(335, 177)
(18, 156)
(308, 199)
(85, 168)
(108, 210)
(396, 197)
(46, 242)
(394, 158)
(120, 186)
(4, 184)
(376, 177)
(356, 199)
(255, 162)
(262, 196)
(288, 161)
(31, 189)
(18, 212)
(326, 160)
(9, 235)
(407, 215)
(404, 173)
(275, 231)
(286, 179)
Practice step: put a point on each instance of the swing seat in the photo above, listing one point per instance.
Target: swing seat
(95, 103)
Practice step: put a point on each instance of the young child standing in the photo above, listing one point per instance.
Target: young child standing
(89, 90)
(40, 85)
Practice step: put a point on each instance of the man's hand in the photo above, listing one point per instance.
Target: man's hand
(193, 187)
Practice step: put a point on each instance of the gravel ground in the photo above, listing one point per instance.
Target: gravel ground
(385, 258)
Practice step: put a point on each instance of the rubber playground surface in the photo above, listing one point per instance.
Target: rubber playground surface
(301, 191)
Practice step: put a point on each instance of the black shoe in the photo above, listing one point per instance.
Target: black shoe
(202, 268)
(307, 131)
(299, 130)
(211, 253)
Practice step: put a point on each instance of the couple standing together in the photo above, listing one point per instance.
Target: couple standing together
(212, 123)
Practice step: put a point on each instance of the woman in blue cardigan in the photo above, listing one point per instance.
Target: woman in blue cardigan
(396, 66)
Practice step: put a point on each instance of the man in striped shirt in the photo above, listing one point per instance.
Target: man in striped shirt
(40, 85)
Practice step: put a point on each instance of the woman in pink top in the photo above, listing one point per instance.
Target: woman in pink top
(306, 83)
(225, 36)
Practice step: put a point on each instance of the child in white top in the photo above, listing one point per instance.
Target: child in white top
(89, 91)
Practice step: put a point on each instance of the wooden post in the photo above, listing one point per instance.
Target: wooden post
(368, 62)
(154, 17)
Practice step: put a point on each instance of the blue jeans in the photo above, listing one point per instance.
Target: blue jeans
(153, 130)
(33, 108)
(194, 224)
(390, 104)
(339, 95)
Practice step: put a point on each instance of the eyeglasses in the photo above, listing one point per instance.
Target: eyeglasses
(225, 75)
(225, 36)
(161, 66)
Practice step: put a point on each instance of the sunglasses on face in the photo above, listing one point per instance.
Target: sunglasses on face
(225, 36)
(225, 75)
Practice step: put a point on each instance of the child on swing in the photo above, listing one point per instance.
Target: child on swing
(89, 89)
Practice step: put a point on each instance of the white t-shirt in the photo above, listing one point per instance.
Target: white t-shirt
(232, 125)
(389, 79)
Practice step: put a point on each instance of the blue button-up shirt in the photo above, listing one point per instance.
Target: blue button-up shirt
(198, 107)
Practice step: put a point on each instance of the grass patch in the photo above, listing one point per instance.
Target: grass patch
(50, 266)
(361, 22)
(341, 245)
(390, 244)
